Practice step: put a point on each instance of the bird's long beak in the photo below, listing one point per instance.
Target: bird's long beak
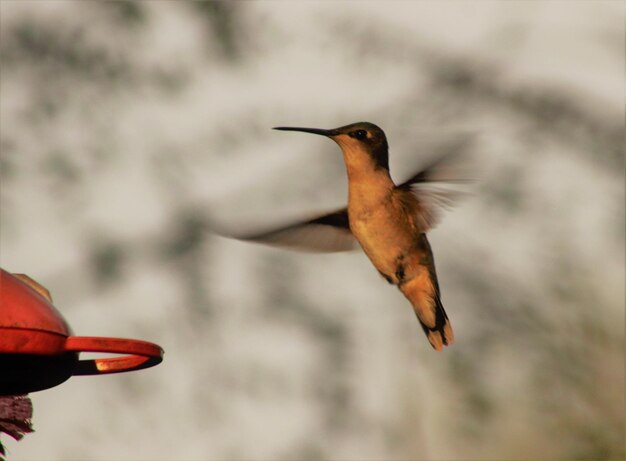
(328, 133)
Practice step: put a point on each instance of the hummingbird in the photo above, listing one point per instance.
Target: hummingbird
(388, 221)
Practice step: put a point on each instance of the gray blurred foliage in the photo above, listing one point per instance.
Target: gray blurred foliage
(556, 332)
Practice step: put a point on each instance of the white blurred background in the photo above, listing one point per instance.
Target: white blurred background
(129, 128)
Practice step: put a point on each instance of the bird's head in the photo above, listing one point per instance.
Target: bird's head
(359, 142)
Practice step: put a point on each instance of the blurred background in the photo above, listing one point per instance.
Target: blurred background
(129, 128)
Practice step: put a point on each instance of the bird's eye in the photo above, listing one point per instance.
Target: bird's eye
(359, 134)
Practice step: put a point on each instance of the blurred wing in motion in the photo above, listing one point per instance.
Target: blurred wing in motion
(424, 195)
(325, 234)
(438, 186)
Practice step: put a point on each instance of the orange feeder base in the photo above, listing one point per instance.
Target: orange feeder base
(38, 351)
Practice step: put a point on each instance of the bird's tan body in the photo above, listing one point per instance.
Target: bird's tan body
(383, 220)
(388, 221)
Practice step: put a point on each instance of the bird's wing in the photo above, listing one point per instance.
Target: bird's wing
(438, 186)
(324, 234)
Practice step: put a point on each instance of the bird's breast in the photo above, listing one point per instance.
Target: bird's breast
(385, 232)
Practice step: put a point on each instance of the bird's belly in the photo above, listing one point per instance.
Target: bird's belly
(385, 238)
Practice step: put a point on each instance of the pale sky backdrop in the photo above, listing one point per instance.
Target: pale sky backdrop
(129, 130)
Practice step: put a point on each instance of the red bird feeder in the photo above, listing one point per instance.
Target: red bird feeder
(38, 351)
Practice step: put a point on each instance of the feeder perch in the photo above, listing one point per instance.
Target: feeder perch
(38, 349)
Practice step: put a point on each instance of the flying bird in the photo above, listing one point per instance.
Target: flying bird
(388, 221)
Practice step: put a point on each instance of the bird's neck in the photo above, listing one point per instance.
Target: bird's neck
(359, 163)
(367, 184)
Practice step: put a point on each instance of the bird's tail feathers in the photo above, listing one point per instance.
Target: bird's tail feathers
(430, 312)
